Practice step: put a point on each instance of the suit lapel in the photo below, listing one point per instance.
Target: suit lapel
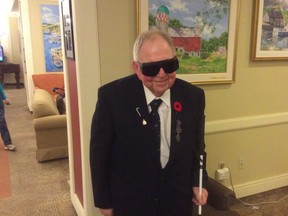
(138, 99)
(146, 130)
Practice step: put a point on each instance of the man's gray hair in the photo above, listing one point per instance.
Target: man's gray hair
(150, 35)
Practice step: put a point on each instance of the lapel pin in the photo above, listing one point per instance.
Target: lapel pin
(144, 122)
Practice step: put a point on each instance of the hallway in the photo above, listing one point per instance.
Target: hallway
(36, 188)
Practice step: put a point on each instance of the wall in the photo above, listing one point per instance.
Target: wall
(15, 50)
(117, 32)
(10, 40)
(88, 80)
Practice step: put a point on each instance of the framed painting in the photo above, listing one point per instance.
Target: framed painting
(67, 28)
(204, 34)
(270, 30)
(51, 33)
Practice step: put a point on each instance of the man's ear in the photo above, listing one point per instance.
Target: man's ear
(135, 66)
(137, 70)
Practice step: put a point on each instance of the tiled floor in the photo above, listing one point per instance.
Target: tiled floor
(39, 189)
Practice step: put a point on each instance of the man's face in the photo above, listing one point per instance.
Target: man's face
(153, 51)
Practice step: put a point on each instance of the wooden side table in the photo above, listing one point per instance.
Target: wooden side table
(10, 68)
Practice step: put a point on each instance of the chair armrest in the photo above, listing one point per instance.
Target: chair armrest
(220, 197)
(50, 122)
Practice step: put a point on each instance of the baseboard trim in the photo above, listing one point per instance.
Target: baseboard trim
(246, 123)
(260, 186)
(77, 205)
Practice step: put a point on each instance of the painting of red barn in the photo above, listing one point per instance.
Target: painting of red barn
(203, 32)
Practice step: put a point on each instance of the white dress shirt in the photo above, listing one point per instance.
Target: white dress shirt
(164, 111)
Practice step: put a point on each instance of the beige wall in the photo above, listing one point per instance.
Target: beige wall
(117, 32)
(14, 52)
(15, 40)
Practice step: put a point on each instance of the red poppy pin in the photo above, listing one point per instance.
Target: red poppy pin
(177, 106)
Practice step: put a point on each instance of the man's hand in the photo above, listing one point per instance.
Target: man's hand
(200, 200)
(107, 212)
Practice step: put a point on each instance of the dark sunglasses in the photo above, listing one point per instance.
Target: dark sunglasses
(151, 69)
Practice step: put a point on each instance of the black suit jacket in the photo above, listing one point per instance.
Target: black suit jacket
(125, 164)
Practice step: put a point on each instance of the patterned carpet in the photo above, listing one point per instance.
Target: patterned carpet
(270, 203)
(36, 188)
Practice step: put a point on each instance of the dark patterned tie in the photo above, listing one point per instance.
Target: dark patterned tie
(155, 119)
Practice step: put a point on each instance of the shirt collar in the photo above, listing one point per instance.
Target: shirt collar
(150, 97)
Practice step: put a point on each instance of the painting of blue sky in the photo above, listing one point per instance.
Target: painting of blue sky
(197, 14)
(52, 38)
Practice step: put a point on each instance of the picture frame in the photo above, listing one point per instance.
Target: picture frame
(68, 29)
(52, 38)
(269, 33)
(196, 67)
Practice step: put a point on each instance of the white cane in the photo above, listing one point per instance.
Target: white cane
(200, 183)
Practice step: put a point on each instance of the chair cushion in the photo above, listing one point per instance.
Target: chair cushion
(43, 104)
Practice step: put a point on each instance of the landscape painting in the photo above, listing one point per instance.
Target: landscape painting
(203, 32)
(270, 38)
(52, 38)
